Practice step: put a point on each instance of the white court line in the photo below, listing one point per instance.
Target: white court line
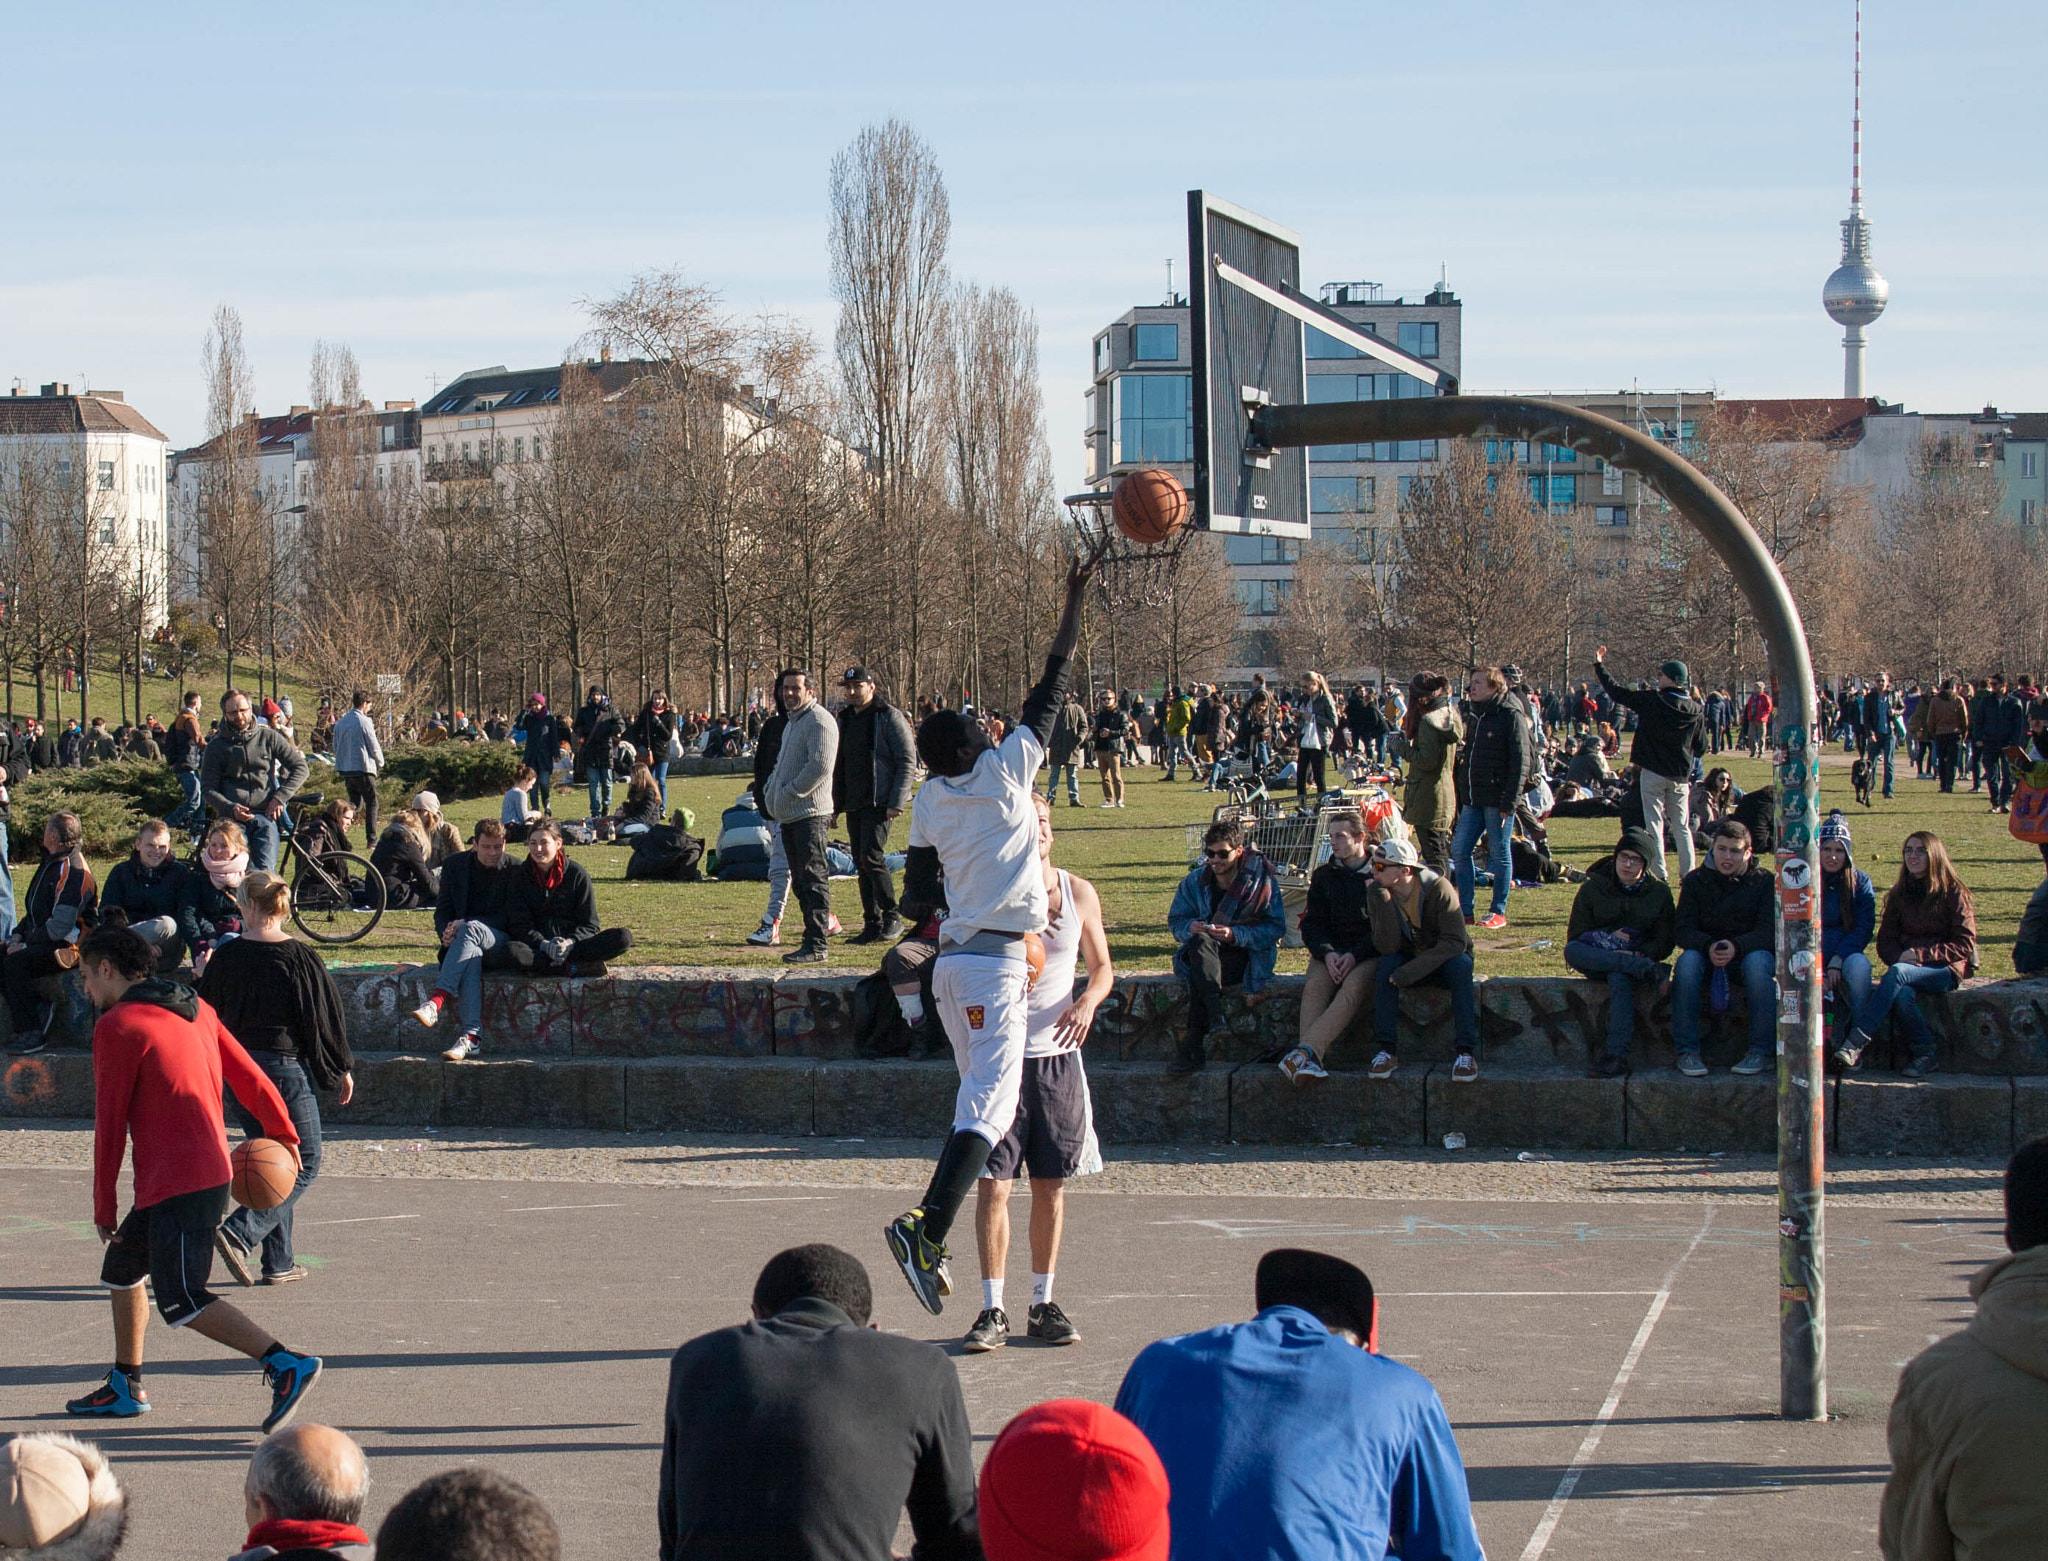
(820, 1198)
(366, 1219)
(1415, 1294)
(556, 1208)
(1540, 1540)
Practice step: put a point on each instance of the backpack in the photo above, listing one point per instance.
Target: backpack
(665, 853)
(2028, 820)
(1758, 812)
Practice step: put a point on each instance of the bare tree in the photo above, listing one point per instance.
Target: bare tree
(1321, 620)
(233, 518)
(1941, 550)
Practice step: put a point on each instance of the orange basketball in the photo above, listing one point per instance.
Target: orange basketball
(1034, 956)
(1149, 506)
(264, 1173)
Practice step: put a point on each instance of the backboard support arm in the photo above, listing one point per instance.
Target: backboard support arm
(1802, 1083)
(1331, 323)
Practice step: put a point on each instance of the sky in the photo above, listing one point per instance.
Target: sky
(1620, 193)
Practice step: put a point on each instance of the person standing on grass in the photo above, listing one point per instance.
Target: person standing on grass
(1431, 732)
(1052, 1136)
(654, 734)
(1110, 729)
(1490, 771)
(873, 770)
(161, 1059)
(358, 756)
(184, 751)
(1670, 735)
(275, 996)
(250, 772)
(545, 735)
(2004, 723)
(798, 797)
(1928, 939)
(1063, 750)
(1317, 729)
(1945, 716)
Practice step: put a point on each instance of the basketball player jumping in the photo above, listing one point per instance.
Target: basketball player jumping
(973, 821)
(1053, 1135)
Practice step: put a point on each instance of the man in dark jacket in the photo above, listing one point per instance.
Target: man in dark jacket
(871, 777)
(545, 734)
(607, 729)
(1342, 961)
(250, 772)
(1063, 749)
(61, 904)
(147, 889)
(1620, 932)
(2003, 725)
(807, 1433)
(1670, 734)
(1491, 767)
(554, 911)
(473, 915)
(1725, 931)
(1877, 724)
(42, 751)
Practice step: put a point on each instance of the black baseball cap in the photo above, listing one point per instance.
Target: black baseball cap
(857, 675)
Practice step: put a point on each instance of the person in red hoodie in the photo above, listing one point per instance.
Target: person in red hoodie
(160, 1058)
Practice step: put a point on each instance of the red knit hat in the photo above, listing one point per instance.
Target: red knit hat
(1072, 1480)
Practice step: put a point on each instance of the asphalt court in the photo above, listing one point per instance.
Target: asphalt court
(1610, 1369)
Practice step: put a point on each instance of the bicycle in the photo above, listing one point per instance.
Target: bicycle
(337, 896)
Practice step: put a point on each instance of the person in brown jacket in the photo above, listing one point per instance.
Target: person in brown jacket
(1971, 1414)
(1947, 720)
(1928, 936)
(1420, 936)
(1429, 800)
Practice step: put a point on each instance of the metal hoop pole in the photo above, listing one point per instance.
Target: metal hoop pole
(1802, 1083)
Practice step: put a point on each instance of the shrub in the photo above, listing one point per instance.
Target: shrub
(112, 801)
(453, 770)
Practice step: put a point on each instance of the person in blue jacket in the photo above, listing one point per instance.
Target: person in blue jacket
(1848, 920)
(1291, 1436)
(1227, 920)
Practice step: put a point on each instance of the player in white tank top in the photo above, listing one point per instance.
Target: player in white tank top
(1053, 992)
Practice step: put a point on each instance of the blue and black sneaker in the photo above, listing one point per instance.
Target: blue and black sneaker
(117, 1396)
(290, 1377)
(922, 1260)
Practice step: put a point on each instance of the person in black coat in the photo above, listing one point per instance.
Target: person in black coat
(1491, 764)
(1670, 734)
(1726, 931)
(554, 911)
(607, 729)
(806, 1432)
(473, 916)
(146, 891)
(545, 734)
(400, 859)
(872, 771)
(653, 730)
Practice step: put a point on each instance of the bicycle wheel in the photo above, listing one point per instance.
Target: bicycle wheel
(336, 897)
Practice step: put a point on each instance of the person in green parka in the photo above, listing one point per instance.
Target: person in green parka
(1429, 802)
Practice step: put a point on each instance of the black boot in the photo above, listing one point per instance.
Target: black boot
(1188, 1058)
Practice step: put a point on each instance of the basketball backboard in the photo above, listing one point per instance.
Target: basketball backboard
(1245, 352)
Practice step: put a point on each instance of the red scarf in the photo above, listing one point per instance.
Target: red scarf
(305, 1534)
(551, 879)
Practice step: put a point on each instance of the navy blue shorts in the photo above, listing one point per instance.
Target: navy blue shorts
(171, 1245)
(1053, 1133)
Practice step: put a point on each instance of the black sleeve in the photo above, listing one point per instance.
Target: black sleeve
(1043, 703)
(584, 910)
(922, 890)
(321, 1030)
(941, 1500)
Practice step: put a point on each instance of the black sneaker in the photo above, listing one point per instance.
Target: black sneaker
(991, 1331)
(1920, 1067)
(1608, 1066)
(892, 928)
(807, 955)
(235, 1256)
(27, 1045)
(868, 934)
(1049, 1325)
(920, 1258)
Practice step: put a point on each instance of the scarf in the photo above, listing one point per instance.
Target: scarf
(226, 872)
(551, 879)
(283, 1534)
(1249, 894)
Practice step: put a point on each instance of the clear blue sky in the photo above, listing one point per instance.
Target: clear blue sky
(1620, 191)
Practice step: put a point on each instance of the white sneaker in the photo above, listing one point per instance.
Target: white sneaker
(466, 1045)
(767, 935)
(428, 1014)
(832, 924)
(1301, 1067)
(1109, 804)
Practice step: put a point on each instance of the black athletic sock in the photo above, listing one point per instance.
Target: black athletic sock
(132, 1373)
(960, 1164)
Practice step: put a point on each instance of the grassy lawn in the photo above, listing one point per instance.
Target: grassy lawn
(1135, 858)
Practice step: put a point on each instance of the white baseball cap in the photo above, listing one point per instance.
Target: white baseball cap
(1396, 853)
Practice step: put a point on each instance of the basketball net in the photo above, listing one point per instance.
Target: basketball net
(1128, 574)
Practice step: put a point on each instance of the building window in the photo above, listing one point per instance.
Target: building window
(1261, 598)
(1560, 455)
(2030, 463)
(1155, 343)
(536, 447)
(1102, 353)
(1610, 481)
(501, 449)
(1155, 418)
(1610, 515)
(1365, 545)
(1514, 451)
(1278, 550)
(1321, 344)
(1563, 490)
(304, 485)
(1337, 495)
(1418, 338)
(519, 449)
(380, 477)
(2026, 512)
(465, 450)
(106, 476)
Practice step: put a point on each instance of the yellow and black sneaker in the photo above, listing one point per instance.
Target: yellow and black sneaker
(922, 1260)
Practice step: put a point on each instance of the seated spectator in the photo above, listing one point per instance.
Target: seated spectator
(208, 915)
(145, 890)
(59, 1501)
(1848, 918)
(1711, 801)
(1928, 938)
(2030, 946)
(1620, 932)
(468, 1515)
(643, 804)
(555, 911)
(1420, 938)
(1971, 1415)
(443, 838)
(62, 903)
(326, 832)
(517, 812)
(1588, 768)
(400, 859)
(1291, 1436)
(1726, 931)
(1227, 919)
(807, 1433)
(1071, 1478)
(304, 1496)
(1342, 961)
(472, 917)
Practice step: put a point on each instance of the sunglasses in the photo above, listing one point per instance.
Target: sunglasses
(1220, 853)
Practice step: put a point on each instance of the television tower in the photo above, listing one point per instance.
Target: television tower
(1855, 294)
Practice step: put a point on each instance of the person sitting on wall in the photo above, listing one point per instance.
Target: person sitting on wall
(555, 911)
(1726, 931)
(1420, 937)
(1620, 932)
(145, 891)
(1342, 962)
(480, 889)
(1227, 918)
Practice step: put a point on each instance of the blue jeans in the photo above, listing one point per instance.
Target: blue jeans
(187, 814)
(1622, 971)
(1887, 748)
(661, 779)
(1895, 994)
(1073, 771)
(1455, 973)
(261, 832)
(600, 787)
(271, 1229)
(462, 969)
(1758, 973)
(1177, 755)
(1471, 822)
(1854, 988)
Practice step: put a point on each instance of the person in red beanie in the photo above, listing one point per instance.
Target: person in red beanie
(1073, 1481)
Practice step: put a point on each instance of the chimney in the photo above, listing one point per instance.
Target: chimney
(300, 411)
(108, 395)
(399, 406)
(746, 392)
(56, 389)
(604, 355)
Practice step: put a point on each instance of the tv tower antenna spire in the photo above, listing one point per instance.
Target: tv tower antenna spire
(1855, 294)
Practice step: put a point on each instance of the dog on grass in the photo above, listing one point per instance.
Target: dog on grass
(1859, 777)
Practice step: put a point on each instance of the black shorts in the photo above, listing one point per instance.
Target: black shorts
(1053, 1135)
(171, 1245)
